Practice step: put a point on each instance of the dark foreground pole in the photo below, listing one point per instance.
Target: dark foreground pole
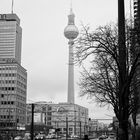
(123, 94)
(32, 123)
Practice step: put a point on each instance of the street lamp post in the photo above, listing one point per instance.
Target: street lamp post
(80, 130)
(32, 123)
(66, 126)
(75, 122)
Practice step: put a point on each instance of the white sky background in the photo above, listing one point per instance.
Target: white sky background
(45, 49)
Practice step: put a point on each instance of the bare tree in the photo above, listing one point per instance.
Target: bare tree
(101, 81)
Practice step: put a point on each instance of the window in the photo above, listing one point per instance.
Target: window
(48, 123)
(2, 95)
(49, 118)
(70, 129)
(49, 108)
(49, 113)
(12, 102)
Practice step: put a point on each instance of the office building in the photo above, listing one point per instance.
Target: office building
(10, 37)
(135, 49)
(13, 77)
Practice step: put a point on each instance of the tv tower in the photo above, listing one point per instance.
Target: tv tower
(71, 32)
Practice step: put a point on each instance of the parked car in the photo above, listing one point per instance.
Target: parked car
(18, 138)
(111, 137)
(75, 136)
(103, 137)
(40, 137)
(51, 136)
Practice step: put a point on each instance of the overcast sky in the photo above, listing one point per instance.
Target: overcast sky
(45, 49)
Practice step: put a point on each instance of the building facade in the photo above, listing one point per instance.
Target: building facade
(62, 116)
(13, 77)
(135, 49)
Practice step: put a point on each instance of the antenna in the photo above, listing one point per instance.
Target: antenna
(12, 6)
(131, 13)
(71, 4)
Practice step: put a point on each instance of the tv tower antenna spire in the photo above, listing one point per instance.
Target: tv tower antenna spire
(12, 6)
(71, 4)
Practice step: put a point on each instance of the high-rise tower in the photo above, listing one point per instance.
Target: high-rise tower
(10, 37)
(13, 77)
(71, 32)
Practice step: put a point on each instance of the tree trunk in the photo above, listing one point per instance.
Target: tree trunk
(124, 115)
(134, 128)
(123, 129)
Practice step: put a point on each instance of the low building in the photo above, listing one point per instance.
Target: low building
(61, 115)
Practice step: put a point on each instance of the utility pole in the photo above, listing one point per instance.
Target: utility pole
(80, 130)
(32, 123)
(66, 127)
(75, 122)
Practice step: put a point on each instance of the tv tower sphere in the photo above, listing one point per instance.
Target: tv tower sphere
(71, 31)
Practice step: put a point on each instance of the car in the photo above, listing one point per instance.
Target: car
(51, 136)
(40, 137)
(103, 137)
(74, 136)
(111, 137)
(18, 138)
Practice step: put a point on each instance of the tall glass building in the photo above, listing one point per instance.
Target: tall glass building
(13, 77)
(10, 37)
(136, 12)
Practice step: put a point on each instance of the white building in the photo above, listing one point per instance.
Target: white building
(62, 116)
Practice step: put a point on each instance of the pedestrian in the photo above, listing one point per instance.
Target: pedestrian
(86, 137)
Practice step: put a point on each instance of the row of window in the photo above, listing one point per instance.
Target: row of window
(20, 98)
(13, 75)
(21, 77)
(49, 118)
(7, 74)
(7, 102)
(21, 91)
(12, 110)
(11, 96)
(8, 88)
(11, 29)
(7, 33)
(21, 105)
(7, 81)
(6, 41)
(64, 129)
(13, 103)
(7, 37)
(6, 117)
(13, 89)
(13, 68)
(6, 46)
(7, 124)
(21, 84)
